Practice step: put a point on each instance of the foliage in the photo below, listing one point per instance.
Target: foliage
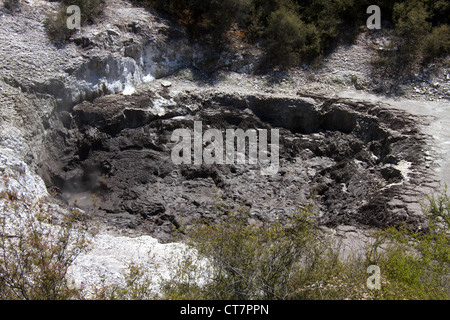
(286, 30)
(294, 31)
(437, 43)
(11, 5)
(200, 14)
(295, 260)
(36, 248)
(416, 264)
(291, 259)
(420, 34)
(137, 286)
(90, 9)
(56, 23)
(411, 27)
(276, 260)
(56, 26)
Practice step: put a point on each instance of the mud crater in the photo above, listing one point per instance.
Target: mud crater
(354, 157)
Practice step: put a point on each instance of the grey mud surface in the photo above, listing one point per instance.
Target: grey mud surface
(364, 162)
(433, 119)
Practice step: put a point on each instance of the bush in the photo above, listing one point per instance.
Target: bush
(90, 9)
(200, 15)
(289, 39)
(56, 23)
(137, 286)
(56, 26)
(11, 5)
(292, 259)
(267, 261)
(411, 26)
(297, 31)
(296, 260)
(222, 14)
(408, 39)
(416, 264)
(437, 43)
(36, 248)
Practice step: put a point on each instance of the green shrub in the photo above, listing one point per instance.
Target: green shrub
(56, 26)
(56, 23)
(275, 260)
(201, 15)
(137, 286)
(325, 16)
(416, 264)
(295, 260)
(11, 5)
(90, 9)
(297, 31)
(408, 40)
(289, 39)
(291, 259)
(36, 248)
(411, 26)
(437, 43)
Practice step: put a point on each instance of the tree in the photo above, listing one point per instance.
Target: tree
(289, 39)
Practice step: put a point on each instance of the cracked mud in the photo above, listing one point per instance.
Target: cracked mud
(354, 158)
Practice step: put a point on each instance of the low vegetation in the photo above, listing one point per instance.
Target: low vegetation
(36, 248)
(295, 260)
(56, 23)
(294, 32)
(292, 259)
(419, 36)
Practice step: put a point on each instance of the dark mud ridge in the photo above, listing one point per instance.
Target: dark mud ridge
(355, 158)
